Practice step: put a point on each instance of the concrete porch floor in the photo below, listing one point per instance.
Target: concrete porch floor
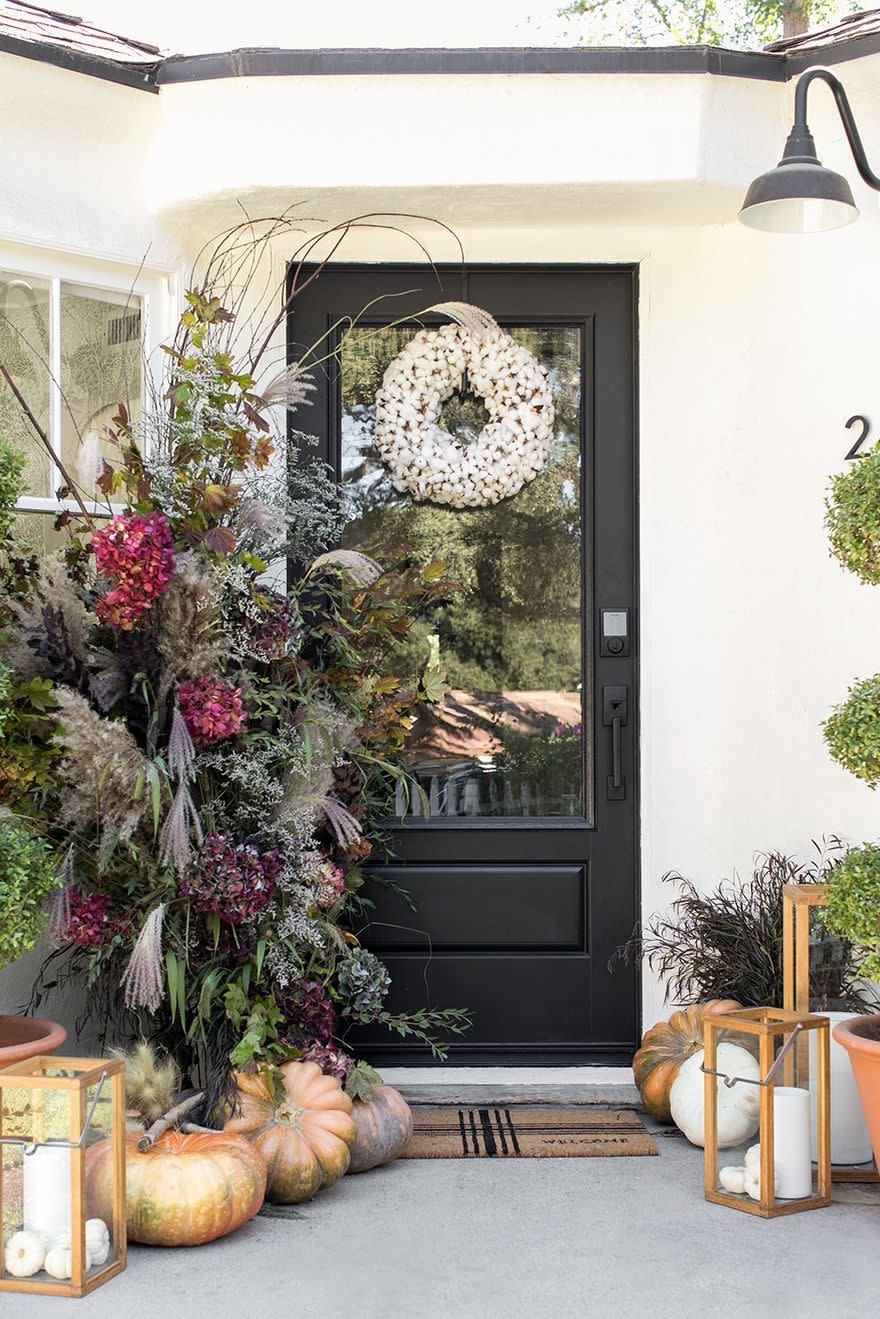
(543, 1238)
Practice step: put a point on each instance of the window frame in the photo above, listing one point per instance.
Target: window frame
(157, 290)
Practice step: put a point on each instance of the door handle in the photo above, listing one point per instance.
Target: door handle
(615, 712)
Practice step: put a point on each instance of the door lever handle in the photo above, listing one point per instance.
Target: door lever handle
(615, 712)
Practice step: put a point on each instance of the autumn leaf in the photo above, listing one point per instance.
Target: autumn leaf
(220, 540)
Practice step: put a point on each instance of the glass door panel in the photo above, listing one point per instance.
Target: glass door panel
(511, 737)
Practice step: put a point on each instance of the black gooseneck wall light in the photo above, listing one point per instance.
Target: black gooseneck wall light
(800, 196)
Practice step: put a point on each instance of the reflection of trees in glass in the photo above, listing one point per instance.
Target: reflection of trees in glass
(99, 368)
(516, 625)
(24, 351)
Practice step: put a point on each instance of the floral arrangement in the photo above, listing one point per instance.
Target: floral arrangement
(207, 754)
(514, 445)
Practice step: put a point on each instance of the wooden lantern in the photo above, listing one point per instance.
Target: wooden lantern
(784, 1140)
(54, 1115)
(798, 900)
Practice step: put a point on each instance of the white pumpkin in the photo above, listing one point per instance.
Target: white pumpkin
(59, 1261)
(24, 1254)
(738, 1105)
(97, 1242)
(733, 1180)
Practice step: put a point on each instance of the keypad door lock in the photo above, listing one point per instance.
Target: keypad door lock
(614, 637)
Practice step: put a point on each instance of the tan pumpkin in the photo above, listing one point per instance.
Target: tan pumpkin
(384, 1126)
(185, 1191)
(665, 1047)
(305, 1139)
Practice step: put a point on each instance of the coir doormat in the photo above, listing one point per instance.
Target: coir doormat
(518, 1132)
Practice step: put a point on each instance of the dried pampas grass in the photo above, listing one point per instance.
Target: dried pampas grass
(188, 633)
(144, 978)
(103, 770)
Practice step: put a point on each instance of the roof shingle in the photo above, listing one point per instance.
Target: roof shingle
(37, 27)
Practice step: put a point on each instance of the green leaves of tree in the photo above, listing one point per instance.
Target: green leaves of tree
(854, 903)
(852, 731)
(853, 518)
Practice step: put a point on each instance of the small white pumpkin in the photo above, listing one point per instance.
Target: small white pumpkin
(753, 1156)
(97, 1242)
(753, 1180)
(733, 1180)
(738, 1105)
(59, 1261)
(24, 1254)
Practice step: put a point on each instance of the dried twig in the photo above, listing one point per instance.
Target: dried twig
(172, 1118)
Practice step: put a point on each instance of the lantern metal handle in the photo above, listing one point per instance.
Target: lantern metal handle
(30, 1146)
(731, 1081)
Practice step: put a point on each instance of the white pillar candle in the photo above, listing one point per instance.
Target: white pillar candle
(47, 1191)
(791, 1142)
(850, 1141)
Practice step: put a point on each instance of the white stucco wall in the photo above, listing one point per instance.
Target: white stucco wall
(754, 350)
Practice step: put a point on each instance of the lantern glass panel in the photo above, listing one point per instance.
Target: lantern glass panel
(764, 1163)
(61, 1176)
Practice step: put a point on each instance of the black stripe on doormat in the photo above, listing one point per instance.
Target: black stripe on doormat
(501, 1132)
(488, 1133)
(513, 1138)
(474, 1131)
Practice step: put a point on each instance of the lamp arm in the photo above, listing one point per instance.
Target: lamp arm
(844, 109)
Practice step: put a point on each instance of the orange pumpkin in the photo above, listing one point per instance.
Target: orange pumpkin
(185, 1191)
(305, 1139)
(384, 1126)
(664, 1049)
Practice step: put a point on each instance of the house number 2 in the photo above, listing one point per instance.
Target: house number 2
(865, 424)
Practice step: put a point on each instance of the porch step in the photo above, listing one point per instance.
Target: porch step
(475, 1086)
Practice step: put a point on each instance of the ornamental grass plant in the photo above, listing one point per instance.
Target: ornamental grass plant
(179, 720)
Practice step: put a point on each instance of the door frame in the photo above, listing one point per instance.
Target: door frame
(464, 1054)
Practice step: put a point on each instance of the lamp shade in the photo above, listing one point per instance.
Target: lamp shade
(799, 196)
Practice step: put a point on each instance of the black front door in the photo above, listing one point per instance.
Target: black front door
(520, 853)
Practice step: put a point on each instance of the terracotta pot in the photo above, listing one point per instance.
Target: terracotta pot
(860, 1036)
(28, 1037)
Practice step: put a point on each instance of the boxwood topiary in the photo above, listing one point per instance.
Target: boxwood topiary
(28, 874)
(853, 517)
(854, 903)
(852, 731)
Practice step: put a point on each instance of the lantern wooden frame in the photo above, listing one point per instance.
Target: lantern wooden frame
(767, 1024)
(77, 1077)
(797, 902)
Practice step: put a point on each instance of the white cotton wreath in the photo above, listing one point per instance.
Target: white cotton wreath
(511, 449)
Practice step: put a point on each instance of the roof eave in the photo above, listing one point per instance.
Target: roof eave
(140, 76)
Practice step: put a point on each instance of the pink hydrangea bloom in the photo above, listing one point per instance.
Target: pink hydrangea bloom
(89, 924)
(211, 710)
(138, 553)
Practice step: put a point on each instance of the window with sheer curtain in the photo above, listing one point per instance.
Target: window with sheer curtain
(75, 351)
